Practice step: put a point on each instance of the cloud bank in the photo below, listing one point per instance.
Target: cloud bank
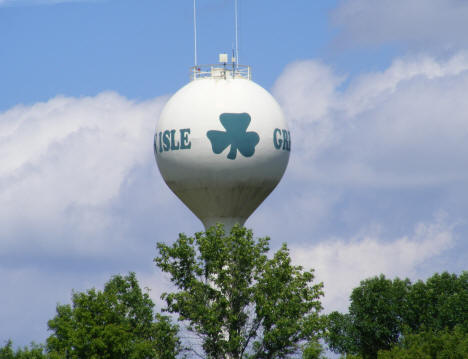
(402, 127)
(66, 164)
(386, 148)
(342, 263)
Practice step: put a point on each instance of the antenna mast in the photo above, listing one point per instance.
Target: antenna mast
(195, 31)
(237, 31)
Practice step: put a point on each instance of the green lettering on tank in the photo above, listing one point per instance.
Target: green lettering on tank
(236, 136)
(185, 144)
(286, 140)
(174, 146)
(166, 140)
(277, 141)
(172, 140)
(282, 139)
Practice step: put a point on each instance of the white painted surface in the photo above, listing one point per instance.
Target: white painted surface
(218, 189)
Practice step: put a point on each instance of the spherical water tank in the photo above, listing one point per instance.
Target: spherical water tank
(222, 145)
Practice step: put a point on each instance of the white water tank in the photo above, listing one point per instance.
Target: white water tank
(222, 144)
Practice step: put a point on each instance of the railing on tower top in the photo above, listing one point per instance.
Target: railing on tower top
(218, 71)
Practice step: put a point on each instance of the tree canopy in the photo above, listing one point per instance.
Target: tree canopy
(239, 302)
(439, 303)
(384, 312)
(242, 302)
(115, 323)
(430, 344)
(35, 351)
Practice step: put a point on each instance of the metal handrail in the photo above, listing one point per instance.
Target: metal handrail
(220, 71)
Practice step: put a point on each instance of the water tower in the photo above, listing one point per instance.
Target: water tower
(222, 143)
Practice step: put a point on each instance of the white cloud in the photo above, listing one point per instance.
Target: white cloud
(341, 264)
(422, 24)
(306, 78)
(66, 163)
(307, 91)
(373, 88)
(405, 126)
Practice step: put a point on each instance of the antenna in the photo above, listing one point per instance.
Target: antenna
(237, 31)
(195, 31)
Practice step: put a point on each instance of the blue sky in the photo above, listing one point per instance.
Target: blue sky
(85, 47)
(375, 96)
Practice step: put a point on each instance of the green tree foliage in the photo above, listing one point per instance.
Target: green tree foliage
(240, 303)
(376, 309)
(381, 309)
(431, 344)
(116, 323)
(439, 303)
(313, 350)
(341, 335)
(374, 321)
(34, 352)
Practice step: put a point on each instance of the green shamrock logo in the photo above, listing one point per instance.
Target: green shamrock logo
(236, 136)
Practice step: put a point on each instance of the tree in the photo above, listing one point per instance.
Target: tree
(116, 323)
(35, 352)
(341, 336)
(431, 344)
(383, 312)
(375, 318)
(240, 303)
(439, 303)
(313, 350)
(377, 307)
